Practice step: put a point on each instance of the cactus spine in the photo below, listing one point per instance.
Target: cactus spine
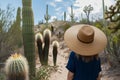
(47, 36)
(55, 51)
(16, 67)
(39, 40)
(47, 16)
(28, 34)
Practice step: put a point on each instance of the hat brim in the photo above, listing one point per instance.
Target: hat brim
(85, 49)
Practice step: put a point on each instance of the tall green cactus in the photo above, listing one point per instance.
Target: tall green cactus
(28, 34)
(47, 36)
(39, 40)
(103, 11)
(64, 16)
(72, 15)
(47, 16)
(16, 67)
(16, 39)
(55, 45)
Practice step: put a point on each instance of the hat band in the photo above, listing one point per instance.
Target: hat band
(84, 41)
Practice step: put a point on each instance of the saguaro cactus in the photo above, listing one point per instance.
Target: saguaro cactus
(64, 16)
(39, 40)
(55, 45)
(28, 34)
(47, 36)
(47, 16)
(16, 67)
(72, 14)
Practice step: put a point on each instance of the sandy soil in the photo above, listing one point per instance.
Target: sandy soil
(62, 58)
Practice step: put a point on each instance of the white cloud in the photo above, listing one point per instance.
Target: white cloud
(58, 0)
(58, 9)
(96, 4)
(52, 4)
(52, 18)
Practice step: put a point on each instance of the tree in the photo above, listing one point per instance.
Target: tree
(114, 15)
(6, 18)
(15, 30)
(87, 10)
(28, 35)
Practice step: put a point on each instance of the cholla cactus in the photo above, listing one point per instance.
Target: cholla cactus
(47, 36)
(39, 40)
(113, 15)
(55, 45)
(16, 67)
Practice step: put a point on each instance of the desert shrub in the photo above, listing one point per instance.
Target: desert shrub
(66, 26)
(43, 73)
(113, 47)
(2, 76)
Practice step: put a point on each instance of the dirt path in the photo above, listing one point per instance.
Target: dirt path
(62, 58)
(61, 73)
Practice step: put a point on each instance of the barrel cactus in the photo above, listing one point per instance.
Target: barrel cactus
(55, 45)
(16, 67)
(47, 36)
(39, 40)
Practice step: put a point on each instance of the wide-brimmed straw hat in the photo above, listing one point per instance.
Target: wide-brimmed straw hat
(85, 39)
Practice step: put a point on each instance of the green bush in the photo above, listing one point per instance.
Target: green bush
(2, 76)
(43, 73)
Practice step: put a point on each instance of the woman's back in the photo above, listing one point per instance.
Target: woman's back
(83, 70)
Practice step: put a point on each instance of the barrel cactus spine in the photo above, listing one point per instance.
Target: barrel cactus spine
(16, 67)
(55, 45)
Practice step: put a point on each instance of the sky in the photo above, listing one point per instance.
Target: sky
(56, 8)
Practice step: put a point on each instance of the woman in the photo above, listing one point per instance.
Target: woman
(86, 42)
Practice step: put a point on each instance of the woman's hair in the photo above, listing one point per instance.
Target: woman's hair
(87, 58)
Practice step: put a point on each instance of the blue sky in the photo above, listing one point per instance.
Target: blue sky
(57, 7)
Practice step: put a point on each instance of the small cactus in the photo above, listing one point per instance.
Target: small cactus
(55, 45)
(47, 36)
(16, 67)
(39, 40)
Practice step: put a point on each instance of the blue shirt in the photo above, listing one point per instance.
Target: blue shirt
(83, 70)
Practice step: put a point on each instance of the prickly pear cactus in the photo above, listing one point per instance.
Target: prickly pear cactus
(16, 67)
